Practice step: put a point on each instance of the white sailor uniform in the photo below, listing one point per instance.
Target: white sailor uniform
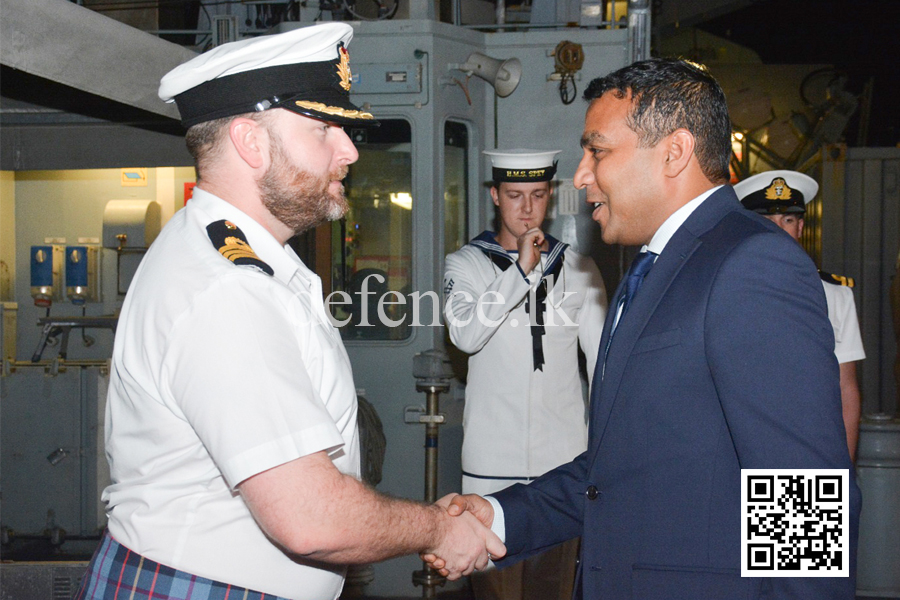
(525, 409)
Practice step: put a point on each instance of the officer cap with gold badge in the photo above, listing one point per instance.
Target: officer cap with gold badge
(522, 166)
(777, 192)
(306, 71)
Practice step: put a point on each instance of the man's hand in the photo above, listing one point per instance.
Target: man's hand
(467, 506)
(457, 504)
(529, 245)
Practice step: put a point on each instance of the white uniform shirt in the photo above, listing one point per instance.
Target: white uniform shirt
(221, 372)
(848, 344)
(520, 422)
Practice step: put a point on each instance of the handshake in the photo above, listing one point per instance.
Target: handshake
(467, 543)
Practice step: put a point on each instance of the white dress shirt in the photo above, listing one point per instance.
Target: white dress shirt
(220, 372)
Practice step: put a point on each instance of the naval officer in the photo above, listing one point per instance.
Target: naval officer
(782, 196)
(520, 302)
(231, 419)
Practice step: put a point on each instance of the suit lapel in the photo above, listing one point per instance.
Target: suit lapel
(606, 392)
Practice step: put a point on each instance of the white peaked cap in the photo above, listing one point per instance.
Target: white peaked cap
(305, 70)
(777, 192)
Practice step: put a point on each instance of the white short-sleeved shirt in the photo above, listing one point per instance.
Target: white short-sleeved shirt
(221, 372)
(848, 344)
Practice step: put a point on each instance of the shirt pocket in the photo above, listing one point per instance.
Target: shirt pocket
(658, 341)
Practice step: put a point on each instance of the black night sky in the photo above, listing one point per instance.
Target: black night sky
(859, 37)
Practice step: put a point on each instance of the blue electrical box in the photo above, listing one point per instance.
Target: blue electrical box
(45, 274)
(81, 274)
(76, 274)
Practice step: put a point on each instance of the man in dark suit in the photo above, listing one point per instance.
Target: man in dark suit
(722, 360)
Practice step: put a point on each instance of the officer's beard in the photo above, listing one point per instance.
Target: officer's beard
(298, 198)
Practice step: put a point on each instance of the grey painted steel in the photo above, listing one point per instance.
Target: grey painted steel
(52, 460)
(89, 146)
(878, 472)
(421, 9)
(543, 11)
(860, 238)
(70, 44)
(40, 581)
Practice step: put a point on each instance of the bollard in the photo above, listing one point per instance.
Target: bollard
(433, 374)
(878, 475)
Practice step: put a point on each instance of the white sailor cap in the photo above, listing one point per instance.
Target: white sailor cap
(777, 192)
(522, 165)
(306, 70)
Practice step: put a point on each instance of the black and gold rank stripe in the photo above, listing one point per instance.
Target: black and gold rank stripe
(837, 279)
(231, 243)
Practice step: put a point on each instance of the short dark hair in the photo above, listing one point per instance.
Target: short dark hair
(205, 140)
(669, 94)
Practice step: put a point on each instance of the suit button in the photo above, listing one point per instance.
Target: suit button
(592, 492)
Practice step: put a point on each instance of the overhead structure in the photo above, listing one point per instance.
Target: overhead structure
(69, 44)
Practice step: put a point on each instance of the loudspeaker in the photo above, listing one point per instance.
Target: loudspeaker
(503, 75)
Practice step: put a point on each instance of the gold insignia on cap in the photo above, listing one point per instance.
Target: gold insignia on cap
(343, 68)
(779, 190)
(334, 110)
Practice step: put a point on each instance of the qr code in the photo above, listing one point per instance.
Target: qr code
(794, 522)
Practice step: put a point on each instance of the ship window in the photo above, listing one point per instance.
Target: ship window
(372, 245)
(456, 186)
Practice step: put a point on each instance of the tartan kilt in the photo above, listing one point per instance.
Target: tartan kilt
(117, 573)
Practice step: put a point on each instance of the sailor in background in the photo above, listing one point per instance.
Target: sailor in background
(781, 197)
(520, 302)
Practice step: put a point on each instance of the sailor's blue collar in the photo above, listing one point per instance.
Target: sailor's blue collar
(487, 243)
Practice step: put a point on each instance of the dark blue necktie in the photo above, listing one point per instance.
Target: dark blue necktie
(640, 266)
(634, 278)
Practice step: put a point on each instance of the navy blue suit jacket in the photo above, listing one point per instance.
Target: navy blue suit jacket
(725, 360)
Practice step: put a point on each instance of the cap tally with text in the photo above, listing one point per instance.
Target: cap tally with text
(306, 71)
(777, 192)
(523, 165)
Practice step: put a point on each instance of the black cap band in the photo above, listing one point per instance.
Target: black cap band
(760, 203)
(502, 175)
(273, 87)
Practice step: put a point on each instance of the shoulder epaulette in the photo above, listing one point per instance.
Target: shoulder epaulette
(231, 243)
(837, 279)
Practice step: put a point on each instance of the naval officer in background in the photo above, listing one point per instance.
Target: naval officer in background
(231, 419)
(520, 302)
(781, 197)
